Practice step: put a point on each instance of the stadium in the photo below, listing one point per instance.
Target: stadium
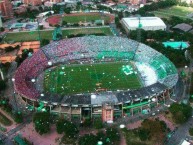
(96, 77)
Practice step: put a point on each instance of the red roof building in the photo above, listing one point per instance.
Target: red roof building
(32, 2)
(6, 9)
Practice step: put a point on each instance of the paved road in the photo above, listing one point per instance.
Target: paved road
(8, 137)
(181, 133)
(69, 28)
(5, 139)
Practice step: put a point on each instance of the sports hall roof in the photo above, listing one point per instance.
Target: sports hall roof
(133, 22)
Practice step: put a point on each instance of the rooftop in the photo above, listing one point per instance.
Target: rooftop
(145, 21)
(183, 27)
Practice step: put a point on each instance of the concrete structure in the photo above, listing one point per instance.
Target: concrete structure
(32, 2)
(105, 104)
(187, 1)
(183, 27)
(1, 24)
(6, 9)
(136, 2)
(148, 23)
(56, 1)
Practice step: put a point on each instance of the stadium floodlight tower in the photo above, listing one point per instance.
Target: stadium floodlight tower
(138, 35)
(1, 72)
(57, 34)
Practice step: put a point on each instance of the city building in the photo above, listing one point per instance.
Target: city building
(187, 1)
(6, 9)
(32, 2)
(147, 23)
(136, 2)
(56, 1)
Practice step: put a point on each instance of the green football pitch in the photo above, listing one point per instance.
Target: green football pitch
(83, 18)
(77, 78)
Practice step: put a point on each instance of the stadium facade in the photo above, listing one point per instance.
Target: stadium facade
(158, 75)
(148, 23)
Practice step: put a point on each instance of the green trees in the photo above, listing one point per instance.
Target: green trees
(67, 10)
(191, 131)
(64, 23)
(113, 135)
(41, 122)
(161, 36)
(154, 6)
(88, 139)
(144, 134)
(98, 124)
(108, 137)
(68, 128)
(154, 130)
(56, 8)
(2, 29)
(45, 42)
(18, 117)
(180, 112)
(2, 85)
(24, 55)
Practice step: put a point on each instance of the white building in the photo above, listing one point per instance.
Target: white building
(148, 23)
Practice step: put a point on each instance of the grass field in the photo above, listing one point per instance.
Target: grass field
(89, 78)
(83, 18)
(4, 120)
(33, 35)
(178, 11)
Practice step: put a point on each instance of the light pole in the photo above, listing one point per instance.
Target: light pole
(14, 97)
(1, 72)
(39, 32)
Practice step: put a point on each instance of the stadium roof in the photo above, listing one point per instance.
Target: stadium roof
(147, 22)
(114, 97)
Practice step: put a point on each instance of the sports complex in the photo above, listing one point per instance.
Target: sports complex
(96, 77)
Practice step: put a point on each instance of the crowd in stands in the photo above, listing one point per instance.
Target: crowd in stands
(24, 74)
(88, 47)
(163, 67)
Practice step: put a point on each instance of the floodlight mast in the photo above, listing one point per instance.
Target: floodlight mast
(39, 37)
(138, 36)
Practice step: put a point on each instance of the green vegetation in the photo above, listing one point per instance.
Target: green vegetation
(33, 35)
(145, 11)
(178, 11)
(18, 117)
(87, 139)
(83, 18)
(2, 85)
(10, 48)
(89, 78)
(180, 112)
(66, 127)
(191, 89)
(161, 36)
(110, 137)
(69, 129)
(44, 42)
(97, 123)
(24, 55)
(191, 131)
(4, 120)
(152, 131)
(41, 122)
